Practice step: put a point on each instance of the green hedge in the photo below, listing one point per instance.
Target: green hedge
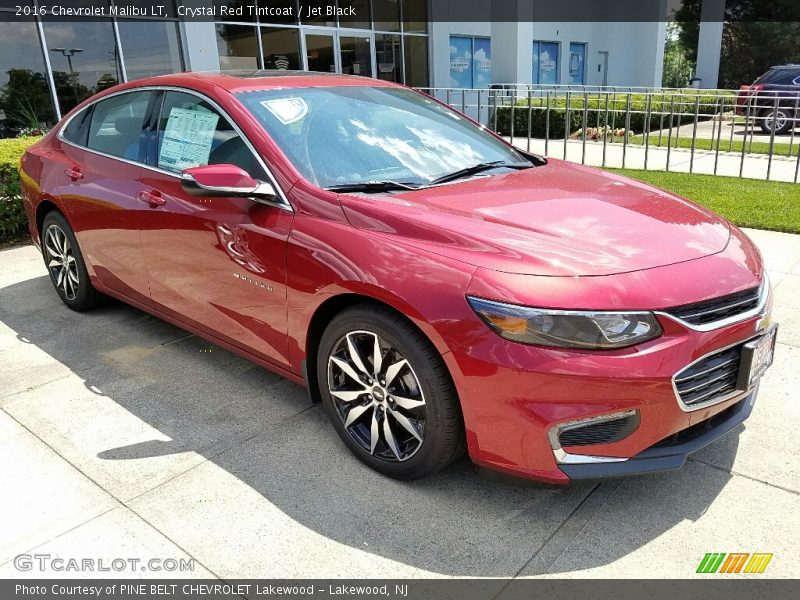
(12, 214)
(660, 107)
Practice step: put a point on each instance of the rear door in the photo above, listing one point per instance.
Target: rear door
(103, 150)
(218, 264)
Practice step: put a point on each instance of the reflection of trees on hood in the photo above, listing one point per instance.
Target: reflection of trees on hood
(757, 35)
(26, 99)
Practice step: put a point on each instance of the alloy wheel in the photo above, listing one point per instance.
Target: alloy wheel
(776, 121)
(61, 261)
(377, 396)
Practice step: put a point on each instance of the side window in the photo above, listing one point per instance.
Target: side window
(191, 133)
(77, 130)
(116, 124)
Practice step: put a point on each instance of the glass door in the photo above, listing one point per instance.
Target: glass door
(320, 50)
(356, 55)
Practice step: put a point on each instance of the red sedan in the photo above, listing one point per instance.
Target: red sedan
(435, 288)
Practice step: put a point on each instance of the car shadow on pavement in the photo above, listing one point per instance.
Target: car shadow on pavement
(179, 429)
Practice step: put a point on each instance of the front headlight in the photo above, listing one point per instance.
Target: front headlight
(567, 328)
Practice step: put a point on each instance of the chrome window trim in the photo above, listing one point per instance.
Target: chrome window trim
(566, 458)
(729, 396)
(764, 293)
(283, 204)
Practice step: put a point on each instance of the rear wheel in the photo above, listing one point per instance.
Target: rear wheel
(65, 264)
(777, 119)
(388, 394)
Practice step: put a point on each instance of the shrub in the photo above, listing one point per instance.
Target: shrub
(12, 214)
(681, 106)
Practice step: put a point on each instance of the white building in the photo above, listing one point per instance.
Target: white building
(422, 43)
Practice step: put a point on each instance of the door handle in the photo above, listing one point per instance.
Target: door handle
(153, 198)
(73, 173)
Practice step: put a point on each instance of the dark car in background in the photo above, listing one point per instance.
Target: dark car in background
(772, 100)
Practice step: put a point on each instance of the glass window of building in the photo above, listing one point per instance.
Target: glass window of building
(415, 49)
(234, 10)
(315, 12)
(577, 63)
(149, 48)
(84, 59)
(470, 62)
(238, 47)
(356, 56)
(545, 63)
(281, 48)
(415, 16)
(25, 99)
(386, 14)
(361, 18)
(388, 57)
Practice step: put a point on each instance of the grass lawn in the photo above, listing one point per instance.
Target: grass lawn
(747, 202)
(725, 145)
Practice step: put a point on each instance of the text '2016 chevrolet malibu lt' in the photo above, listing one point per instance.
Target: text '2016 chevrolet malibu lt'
(437, 289)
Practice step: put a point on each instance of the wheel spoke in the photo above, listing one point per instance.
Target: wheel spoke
(393, 370)
(346, 369)
(73, 276)
(389, 437)
(348, 396)
(60, 277)
(355, 413)
(355, 357)
(401, 418)
(55, 262)
(64, 244)
(377, 358)
(407, 403)
(373, 432)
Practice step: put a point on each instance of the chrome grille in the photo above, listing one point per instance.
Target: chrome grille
(709, 311)
(710, 378)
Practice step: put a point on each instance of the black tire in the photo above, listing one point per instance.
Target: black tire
(79, 295)
(766, 120)
(439, 422)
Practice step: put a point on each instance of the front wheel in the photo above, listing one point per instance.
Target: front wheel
(388, 393)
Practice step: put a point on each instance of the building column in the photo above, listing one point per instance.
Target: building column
(512, 41)
(199, 41)
(709, 43)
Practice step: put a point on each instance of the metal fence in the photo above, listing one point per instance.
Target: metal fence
(743, 133)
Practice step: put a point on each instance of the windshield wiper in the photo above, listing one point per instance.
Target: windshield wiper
(475, 169)
(372, 187)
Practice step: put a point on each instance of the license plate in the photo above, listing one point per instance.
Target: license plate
(756, 358)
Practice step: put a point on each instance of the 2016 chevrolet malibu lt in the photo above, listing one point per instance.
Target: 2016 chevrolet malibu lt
(437, 289)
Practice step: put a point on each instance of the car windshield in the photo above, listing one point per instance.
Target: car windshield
(350, 136)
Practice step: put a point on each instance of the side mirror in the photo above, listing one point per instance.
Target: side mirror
(223, 180)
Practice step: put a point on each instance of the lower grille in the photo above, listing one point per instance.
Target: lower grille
(690, 433)
(603, 431)
(711, 378)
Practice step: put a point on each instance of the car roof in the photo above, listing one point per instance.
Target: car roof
(246, 80)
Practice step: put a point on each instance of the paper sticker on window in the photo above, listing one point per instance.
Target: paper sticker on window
(187, 138)
(286, 110)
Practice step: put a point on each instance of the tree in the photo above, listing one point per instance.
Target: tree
(26, 99)
(757, 35)
(678, 67)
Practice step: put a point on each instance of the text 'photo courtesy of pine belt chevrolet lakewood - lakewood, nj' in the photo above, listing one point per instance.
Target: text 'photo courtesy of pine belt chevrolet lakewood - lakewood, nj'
(439, 291)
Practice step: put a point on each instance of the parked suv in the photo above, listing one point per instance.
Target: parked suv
(772, 99)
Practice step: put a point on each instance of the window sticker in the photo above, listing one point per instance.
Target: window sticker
(187, 138)
(286, 110)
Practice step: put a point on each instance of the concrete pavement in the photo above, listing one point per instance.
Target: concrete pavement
(123, 436)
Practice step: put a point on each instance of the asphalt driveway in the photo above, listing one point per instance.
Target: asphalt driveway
(123, 436)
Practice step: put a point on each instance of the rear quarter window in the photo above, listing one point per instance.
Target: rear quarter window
(117, 123)
(77, 130)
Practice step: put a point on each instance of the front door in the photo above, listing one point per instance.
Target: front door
(218, 264)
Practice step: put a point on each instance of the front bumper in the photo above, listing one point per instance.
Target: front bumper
(670, 453)
(513, 396)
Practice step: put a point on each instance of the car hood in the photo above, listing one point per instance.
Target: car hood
(558, 219)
